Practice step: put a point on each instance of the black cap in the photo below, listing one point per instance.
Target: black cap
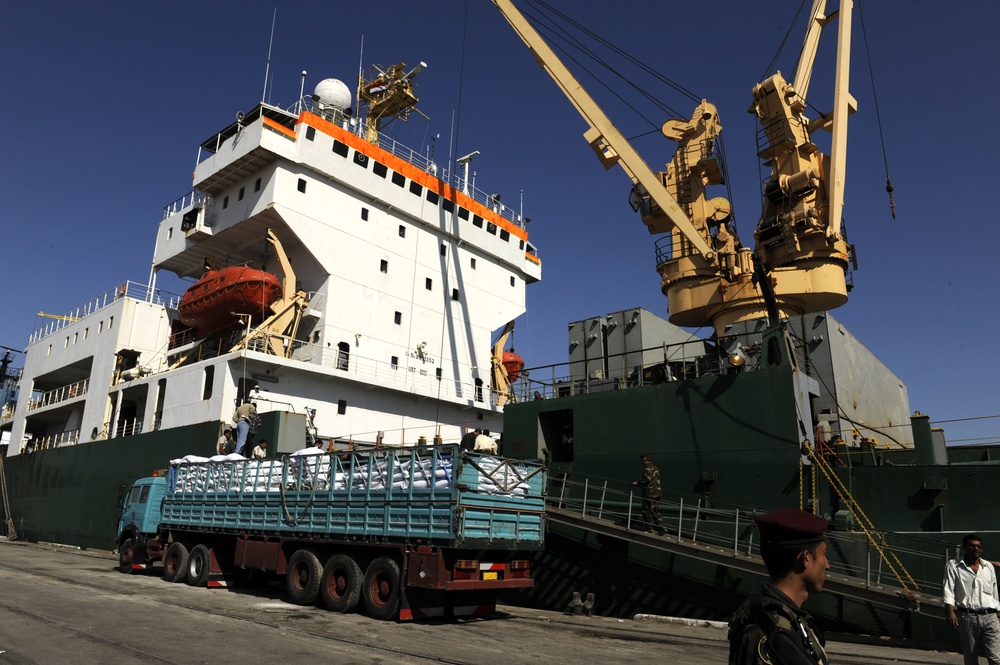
(790, 526)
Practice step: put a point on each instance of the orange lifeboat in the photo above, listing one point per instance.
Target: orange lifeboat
(513, 363)
(216, 301)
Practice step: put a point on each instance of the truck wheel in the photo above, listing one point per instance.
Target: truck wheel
(303, 577)
(380, 590)
(175, 563)
(126, 555)
(199, 566)
(340, 587)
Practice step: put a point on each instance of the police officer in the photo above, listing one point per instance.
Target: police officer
(770, 628)
(651, 494)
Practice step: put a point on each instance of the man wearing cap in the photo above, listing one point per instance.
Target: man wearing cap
(970, 597)
(770, 627)
(651, 494)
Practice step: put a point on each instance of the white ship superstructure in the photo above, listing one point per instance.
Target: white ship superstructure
(402, 274)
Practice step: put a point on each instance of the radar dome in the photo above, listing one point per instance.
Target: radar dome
(334, 93)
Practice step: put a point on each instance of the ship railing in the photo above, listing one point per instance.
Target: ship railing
(67, 438)
(194, 198)
(422, 160)
(121, 428)
(129, 289)
(663, 363)
(60, 394)
(699, 519)
(416, 373)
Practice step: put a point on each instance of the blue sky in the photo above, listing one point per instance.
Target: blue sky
(106, 103)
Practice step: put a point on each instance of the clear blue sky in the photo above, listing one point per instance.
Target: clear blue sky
(105, 104)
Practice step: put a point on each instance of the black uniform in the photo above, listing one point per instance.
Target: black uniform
(769, 629)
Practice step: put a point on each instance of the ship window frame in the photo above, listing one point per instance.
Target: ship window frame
(364, 214)
(448, 205)
(491, 228)
(301, 186)
(397, 318)
(444, 249)
(256, 185)
(402, 231)
(433, 197)
(398, 179)
(512, 280)
(379, 169)
(505, 235)
(477, 221)
(340, 148)
(456, 294)
(225, 202)
(463, 213)
(473, 263)
(383, 266)
(361, 159)
(341, 407)
(416, 188)
(239, 197)
(428, 283)
(394, 362)
(310, 133)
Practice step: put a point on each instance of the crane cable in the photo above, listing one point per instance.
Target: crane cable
(878, 117)
(861, 519)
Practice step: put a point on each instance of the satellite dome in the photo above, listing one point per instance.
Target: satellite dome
(333, 93)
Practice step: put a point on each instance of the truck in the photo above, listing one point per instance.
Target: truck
(405, 533)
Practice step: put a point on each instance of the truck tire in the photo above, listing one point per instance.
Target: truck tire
(380, 590)
(175, 563)
(340, 587)
(303, 577)
(199, 566)
(126, 555)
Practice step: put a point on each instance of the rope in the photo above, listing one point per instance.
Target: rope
(863, 521)
(878, 116)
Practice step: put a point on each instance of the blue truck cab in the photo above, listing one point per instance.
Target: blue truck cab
(141, 510)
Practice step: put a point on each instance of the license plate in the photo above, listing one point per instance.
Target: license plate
(490, 575)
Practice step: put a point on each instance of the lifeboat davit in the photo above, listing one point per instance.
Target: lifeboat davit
(513, 363)
(216, 301)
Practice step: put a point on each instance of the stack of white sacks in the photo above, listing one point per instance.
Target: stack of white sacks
(310, 468)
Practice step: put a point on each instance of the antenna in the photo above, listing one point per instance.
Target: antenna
(267, 70)
(302, 85)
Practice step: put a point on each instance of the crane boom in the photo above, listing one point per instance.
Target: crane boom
(609, 144)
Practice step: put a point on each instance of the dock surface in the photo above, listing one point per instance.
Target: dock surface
(64, 605)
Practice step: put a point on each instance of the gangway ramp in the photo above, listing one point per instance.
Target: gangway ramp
(725, 537)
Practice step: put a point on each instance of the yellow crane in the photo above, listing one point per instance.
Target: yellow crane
(59, 317)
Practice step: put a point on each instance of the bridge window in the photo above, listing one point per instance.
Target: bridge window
(398, 179)
(343, 355)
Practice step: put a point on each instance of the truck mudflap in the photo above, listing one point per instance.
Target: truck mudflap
(421, 604)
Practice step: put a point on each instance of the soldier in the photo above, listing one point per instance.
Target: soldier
(651, 494)
(770, 628)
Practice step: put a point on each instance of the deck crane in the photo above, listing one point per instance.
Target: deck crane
(706, 273)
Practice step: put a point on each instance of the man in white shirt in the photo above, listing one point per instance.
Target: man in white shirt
(485, 444)
(971, 600)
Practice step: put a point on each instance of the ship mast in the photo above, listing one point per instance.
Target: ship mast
(389, 94)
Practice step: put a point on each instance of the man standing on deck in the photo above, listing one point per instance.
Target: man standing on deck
(770, 627)
(242, 417)
(651, 494)
(971, 599)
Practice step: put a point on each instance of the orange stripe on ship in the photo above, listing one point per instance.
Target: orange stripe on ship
(410, 171)
(278, 127)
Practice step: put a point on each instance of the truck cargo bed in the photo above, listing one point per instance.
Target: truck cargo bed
(440, 495)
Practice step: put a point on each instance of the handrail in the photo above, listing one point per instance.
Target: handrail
(731, 528)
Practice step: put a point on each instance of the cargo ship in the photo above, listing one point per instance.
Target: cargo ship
(398, 282)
